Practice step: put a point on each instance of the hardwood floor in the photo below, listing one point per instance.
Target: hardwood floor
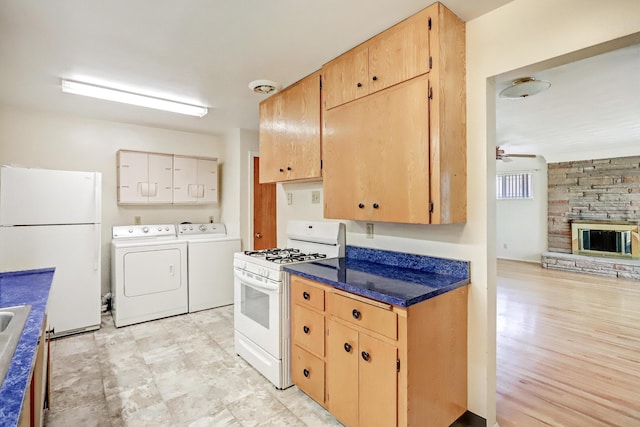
(568, 348)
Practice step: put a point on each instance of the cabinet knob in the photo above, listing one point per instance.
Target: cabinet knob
(306, 295)
(258, 236)
(359, 84)
(361, 205)
(347, 347)
(375, 78)
(355, 313)
(365, 356)
(306, 330)
(288, 168)
(281, 170)
(305, 372)
(376, 206)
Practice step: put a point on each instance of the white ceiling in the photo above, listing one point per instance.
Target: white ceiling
(207, 51)
(203, 52)
(591, 110)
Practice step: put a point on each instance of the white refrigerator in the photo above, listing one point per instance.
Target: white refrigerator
(51, 218)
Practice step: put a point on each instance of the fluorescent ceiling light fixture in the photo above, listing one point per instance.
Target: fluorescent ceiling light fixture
(109, 94)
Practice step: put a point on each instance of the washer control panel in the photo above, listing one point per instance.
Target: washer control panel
(198, 229)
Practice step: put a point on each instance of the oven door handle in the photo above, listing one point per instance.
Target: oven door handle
(258, 284)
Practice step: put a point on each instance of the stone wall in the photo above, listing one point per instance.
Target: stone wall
(591, 189)
(627, 269)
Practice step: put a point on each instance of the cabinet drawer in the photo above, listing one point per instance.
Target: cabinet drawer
(307, 372)
(376, 319)
(308, 329)
(303, 292)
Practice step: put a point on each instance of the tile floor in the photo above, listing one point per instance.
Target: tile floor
(178, 371)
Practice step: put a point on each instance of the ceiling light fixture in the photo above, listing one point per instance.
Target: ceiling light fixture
(524, 87)
(116, 95)
(264, 87)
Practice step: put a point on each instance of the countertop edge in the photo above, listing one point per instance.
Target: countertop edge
(20, 372)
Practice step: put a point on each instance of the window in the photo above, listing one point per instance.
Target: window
(514, 186)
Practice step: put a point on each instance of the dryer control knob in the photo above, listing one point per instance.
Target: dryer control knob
(159, 228)
(145, 229)
(203, 227)
(131, 230)
(166, 229)
(190, 228)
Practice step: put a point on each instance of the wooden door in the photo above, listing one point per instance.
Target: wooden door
(345, 78)
(342, 373)
(377, 382)
(264, 211)
(400, 53)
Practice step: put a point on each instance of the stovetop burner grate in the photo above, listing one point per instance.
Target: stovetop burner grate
(284, 256)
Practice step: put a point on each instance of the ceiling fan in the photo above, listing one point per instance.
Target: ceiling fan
(501, 155)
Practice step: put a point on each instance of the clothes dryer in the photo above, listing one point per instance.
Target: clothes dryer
(148, 273)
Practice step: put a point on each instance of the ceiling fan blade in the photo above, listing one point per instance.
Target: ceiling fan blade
(531, 156)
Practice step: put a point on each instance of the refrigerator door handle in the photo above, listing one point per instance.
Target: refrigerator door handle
(96, 260)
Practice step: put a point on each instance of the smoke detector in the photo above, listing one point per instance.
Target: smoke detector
(264, 87)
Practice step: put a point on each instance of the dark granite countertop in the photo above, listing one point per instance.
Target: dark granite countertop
(392, 277)
(17, 288)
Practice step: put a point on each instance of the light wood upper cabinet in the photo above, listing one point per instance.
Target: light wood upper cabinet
(290, 132)
(195, 180)
(398, 154)
(396, 55)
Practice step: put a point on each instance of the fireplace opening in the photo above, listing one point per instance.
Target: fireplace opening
(606, 238)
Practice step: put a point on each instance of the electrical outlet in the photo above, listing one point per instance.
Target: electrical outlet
(315, 197)
(289, 198)
(137, 220)
(369, 230)
(211, 219)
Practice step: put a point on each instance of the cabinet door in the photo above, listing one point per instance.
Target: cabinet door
(160, 179)
(132, 175)
(308, 373)
(345, 78)
(379, 169)
(290, 132)
(400, 53)
(342, 373)
(185, 180)
(207, 177)
(378, 381)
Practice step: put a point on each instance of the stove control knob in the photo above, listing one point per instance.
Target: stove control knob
(159, 228)
(131, 230)
(203, 227)
(145, 229)
(166, 229)
(190, 228)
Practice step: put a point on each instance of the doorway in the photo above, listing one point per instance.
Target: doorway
(264, 211)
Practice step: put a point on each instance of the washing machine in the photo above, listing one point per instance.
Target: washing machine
(148, 273)
(210, 264)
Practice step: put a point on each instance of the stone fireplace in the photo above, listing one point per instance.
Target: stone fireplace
(614, 239)
(593, 217)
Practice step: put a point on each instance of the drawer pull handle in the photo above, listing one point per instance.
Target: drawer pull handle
(356, 314)
(306, 295)
(376, 206)
(359, 84)
(306, 330)
(365, 356)
(347, 347)
(306, 373)
(361, 205)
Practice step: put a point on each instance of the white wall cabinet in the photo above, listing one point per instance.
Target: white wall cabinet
(155, 178)
(144, 178)
(195, 180)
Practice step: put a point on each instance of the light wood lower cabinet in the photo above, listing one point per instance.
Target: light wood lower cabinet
(37, 394)
(379, 364)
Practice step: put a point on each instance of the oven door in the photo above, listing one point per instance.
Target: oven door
(257, 310)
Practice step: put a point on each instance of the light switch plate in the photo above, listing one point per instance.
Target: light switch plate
(137, 220)
(289, 198)
(315, 197)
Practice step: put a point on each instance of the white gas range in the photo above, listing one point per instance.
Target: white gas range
(261, 295)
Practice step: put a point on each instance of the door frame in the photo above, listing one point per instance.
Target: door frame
(252, 155)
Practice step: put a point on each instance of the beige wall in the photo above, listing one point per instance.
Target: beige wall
(51, 141)
(520, 34)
